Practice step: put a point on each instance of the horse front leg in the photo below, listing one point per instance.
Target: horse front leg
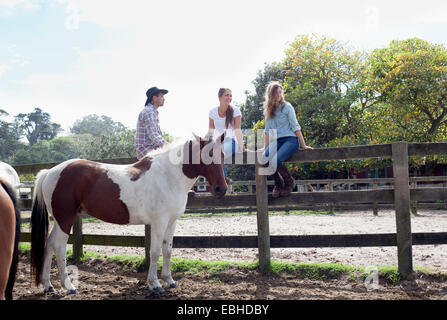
(167, 250)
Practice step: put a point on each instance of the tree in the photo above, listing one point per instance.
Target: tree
(97, 125)
(37, 126)
(56, 150)
(323, 82)
(251, 109)
(9, 139)
(409, 78)
(121, 145)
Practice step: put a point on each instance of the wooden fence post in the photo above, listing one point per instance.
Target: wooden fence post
(332, 204)
(147, 244)
(263, 220)
(77, 239)
(375, 205)
(414, 204)
(402, 206)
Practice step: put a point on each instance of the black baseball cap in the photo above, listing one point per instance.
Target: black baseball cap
(153, 92)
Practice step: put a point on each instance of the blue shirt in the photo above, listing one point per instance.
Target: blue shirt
(284, 122)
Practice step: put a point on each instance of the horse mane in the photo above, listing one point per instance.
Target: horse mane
(167, 147)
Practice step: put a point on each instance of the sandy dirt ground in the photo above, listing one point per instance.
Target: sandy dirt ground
(433, 257)
(103, 279)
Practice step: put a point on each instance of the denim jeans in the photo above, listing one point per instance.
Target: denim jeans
(285, 148)
(229, 148)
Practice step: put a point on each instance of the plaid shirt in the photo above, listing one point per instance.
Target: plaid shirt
(149, 136)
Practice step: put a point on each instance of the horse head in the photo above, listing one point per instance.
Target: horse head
(204, 157)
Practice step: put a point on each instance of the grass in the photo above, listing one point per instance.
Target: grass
(313, 271)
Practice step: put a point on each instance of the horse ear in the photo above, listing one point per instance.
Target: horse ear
(196, 137)
(221, 138)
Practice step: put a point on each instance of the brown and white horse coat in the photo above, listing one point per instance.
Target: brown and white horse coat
(10, 176)
(9, 229)
(152, 191)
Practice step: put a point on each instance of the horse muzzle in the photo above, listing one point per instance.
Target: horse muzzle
(219, 191)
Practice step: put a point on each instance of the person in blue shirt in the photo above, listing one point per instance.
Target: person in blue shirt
(283, 137)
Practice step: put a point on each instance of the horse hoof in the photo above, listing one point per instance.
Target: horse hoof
(173, 286)
(50, 289)
(158, 290)
(72, 291)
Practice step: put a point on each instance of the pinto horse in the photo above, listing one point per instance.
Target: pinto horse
(9, 229)
(152, 191)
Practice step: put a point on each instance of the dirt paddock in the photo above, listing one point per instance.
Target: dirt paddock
(103, 279)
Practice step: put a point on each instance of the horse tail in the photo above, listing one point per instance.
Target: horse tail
(39, 227)
(15, 256)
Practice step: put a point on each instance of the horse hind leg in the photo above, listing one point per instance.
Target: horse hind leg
(46, 269)
(60, 248)
(55, 244)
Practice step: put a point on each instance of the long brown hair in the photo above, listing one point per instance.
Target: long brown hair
(269, 99)
(230, 111)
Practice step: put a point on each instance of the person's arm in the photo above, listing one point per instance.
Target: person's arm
(153, 130)
(297, 128)
(211, 128)
(266, 141)
(292, 119)
(266, 135)
(300, 137)
(238, 132)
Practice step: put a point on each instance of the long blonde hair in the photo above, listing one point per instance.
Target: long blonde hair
(269, 99)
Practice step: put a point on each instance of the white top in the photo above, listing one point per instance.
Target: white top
(219, 123)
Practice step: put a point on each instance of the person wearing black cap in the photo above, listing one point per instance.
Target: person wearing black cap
(149, 135)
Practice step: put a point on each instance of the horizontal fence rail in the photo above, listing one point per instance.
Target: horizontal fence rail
(353, 196)
(276, 241)
(403, 190)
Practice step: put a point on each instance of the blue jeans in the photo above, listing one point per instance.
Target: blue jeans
(229, 148)
(285, 148)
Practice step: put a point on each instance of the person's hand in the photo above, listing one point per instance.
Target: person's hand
(307, 148)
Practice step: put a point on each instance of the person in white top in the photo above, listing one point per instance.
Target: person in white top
(226, 118)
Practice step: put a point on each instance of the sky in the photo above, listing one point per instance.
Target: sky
(72, 58)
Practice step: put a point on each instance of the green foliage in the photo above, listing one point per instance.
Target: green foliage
(121, 145)
(9, 139)
(167, 137)
(344, 97)
(251, 109)
(322, 82)
(97, 125)
(27, 177)
(37, 126)
(409, 78)
(55, 150)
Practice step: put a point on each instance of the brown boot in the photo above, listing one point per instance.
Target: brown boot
(289, 182)
(279, 184)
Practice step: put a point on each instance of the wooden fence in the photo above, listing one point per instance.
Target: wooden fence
(401, 195)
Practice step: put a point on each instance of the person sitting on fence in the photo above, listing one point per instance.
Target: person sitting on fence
(226, 118)
(283, 134)
(149, 135)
